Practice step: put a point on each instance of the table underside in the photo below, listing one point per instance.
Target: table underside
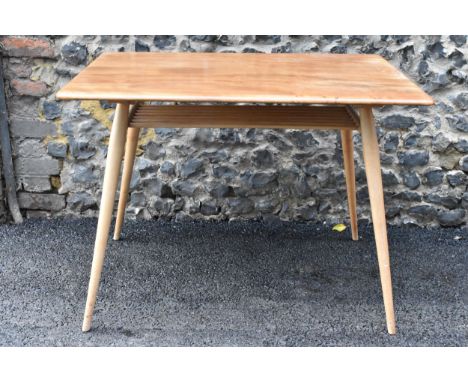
(226, 116)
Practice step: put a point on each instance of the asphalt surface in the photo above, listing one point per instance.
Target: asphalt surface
(230, 284)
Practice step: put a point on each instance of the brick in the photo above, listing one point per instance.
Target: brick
(31, 148)
(37, 166)
(29, 128)
(48, 202)
(35, 183)
(18, 70)
(27, 47)
(29, 88)
(36, 214)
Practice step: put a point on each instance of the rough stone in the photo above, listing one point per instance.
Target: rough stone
(464, 163)
(391, 143)
(465, 200)
(209, 208)
(262, 158)
(157, 187)
(392, 212)
(411, 140)
(80, 149)
(184, 187)
(461, 101)
(48, 202)
(162, 207)
(267, 205)
(411, 180)
(459, 40)
(218, 190)
(81, 201)
(268, 39)
(302, 139)
(308, 164)
(450, 159)
(83, 174)
(145, 166)
(155, 151)
(456, 178)
(308, 212)
(301, 187)
(397, 121)
(462, 146)
(225, 172)
(434, 176)
(75, 53)
(458, 122)
(191, 167)
(57, 149)
(413, 158)
(51, 110)
(140, 46)
(440, 142)
(164, 42)
(457, 58)
(389, 178)
(240, 206)
(137, 199)
(167, 168)
(261, 179)
(164, 132)
(423, 211)
(451, 218)
(448, 201)
(408, 196)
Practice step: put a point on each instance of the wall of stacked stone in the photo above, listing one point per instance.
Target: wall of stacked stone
(60, 147)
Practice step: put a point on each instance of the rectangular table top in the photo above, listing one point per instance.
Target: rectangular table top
(315, 78)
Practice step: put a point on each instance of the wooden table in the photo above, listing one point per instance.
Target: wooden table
(322, 91)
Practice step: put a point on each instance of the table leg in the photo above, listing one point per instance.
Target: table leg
(111, 175)
(371, 152)
(129, 160)
(348, 159)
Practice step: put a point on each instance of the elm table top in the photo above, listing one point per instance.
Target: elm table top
(314, 78)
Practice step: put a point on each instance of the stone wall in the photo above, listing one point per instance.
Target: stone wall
(60, 147)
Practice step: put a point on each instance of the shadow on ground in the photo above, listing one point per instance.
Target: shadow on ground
(230, 284)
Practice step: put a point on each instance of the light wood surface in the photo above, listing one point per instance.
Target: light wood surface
(371, 153)
(129, 160)
(111, 175)
(271, 117)
(348, 159)
(357, 79)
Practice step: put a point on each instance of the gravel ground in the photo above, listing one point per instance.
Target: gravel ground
(230, 284)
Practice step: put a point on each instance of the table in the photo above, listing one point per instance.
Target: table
(315, 91)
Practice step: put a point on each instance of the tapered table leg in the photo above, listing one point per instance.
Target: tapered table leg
(111, 175)
(371, 152)
(348, 159)
(129, 160)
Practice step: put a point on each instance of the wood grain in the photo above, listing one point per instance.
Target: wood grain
(111, 176)
(371, 153)
(348, 159)
(356, 79)
(217, 116)
(127, 172)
